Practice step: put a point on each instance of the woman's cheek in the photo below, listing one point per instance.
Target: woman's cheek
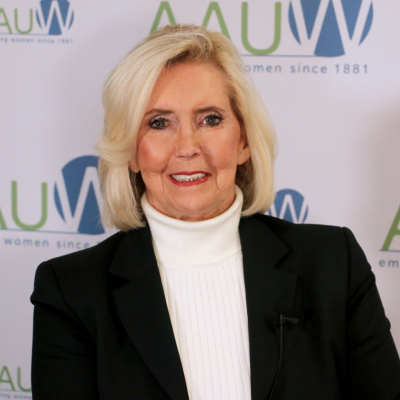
(222, 155)
(152, 155)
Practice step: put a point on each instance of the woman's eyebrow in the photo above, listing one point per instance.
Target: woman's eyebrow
(158, 111)
(210, 108)
(200, 110)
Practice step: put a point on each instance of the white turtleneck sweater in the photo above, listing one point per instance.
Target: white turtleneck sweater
(201, 270)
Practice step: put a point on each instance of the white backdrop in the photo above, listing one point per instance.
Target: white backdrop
(335, 103)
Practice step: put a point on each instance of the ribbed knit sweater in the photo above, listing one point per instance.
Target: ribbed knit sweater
(201, 270)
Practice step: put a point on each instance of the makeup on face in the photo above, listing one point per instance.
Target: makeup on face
(190, 143)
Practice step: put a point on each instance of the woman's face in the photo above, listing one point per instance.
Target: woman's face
(190, 143)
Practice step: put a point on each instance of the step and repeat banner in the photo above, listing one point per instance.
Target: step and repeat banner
(327, 70)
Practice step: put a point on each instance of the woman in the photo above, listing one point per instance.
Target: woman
(200, 296)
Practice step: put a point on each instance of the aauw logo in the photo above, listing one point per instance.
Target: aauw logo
(330, 28)
(393, 235)
(77, 196)
(55, 16)
(290, 206)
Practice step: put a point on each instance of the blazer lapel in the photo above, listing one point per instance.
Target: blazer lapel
(143, 311)
(266, 288)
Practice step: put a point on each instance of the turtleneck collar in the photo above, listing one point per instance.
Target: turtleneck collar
(180, 242)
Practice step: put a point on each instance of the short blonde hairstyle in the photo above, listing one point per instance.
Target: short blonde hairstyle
(127, 92)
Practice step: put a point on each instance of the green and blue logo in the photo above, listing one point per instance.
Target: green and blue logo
(77, 200)
(52, 17)
(319, 28)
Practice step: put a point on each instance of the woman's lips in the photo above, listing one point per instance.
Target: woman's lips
(189, 178)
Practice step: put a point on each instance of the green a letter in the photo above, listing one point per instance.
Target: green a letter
(393, 231)
(2, 221)
(164, 6)
(5, 23)
(245, 30)
(8, 379)
(214, 6)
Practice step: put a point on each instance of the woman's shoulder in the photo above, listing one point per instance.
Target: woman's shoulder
(313, 241)
(95, 265)
(86, 265)
(101, 253)
(77, 277)
(283, 225)
(304, 233)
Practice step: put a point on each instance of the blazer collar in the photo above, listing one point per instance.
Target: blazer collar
(142, 308)
(143, 311)
(268, 289)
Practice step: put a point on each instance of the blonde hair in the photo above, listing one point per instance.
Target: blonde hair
(127, 93)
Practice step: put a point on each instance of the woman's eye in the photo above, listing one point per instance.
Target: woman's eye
(158, 123)
(212, 120)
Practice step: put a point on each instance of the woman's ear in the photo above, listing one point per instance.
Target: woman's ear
(134, 166)
(243, 150)
(244, 155)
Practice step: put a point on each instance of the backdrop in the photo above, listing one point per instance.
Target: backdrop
(328, 71)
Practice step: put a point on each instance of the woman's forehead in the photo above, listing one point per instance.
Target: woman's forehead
(189, 86)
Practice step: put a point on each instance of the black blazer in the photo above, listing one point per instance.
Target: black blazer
(102, 328)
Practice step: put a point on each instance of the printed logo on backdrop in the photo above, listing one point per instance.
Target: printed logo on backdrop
(391, 245)
(12, 385)
(322, 28)
(290, 206)
(327, 28)
(50, 18)
(55, 16)
(392, 240)
(77, 203)
(76, 195)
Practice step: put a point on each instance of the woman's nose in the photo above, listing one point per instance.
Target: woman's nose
(187, 145)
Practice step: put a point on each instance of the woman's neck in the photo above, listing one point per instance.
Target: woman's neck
(183, 243)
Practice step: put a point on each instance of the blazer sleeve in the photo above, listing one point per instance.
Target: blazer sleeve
(373, 366)
(63, 353)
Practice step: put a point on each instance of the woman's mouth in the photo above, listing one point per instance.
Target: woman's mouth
(189, 178)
